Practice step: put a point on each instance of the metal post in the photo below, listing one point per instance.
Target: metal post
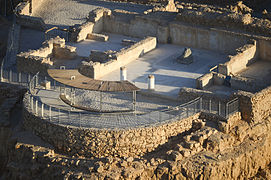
(10, 76)
(54, 84)
(227, 110)
(187, 112)
(58, 115)
(2, 69)
(210, 105)
(20, 77)
(36, 111)
(42, 109)
(50, 112)
(200, 104)
(28, 77)
(69, 115)
(80, 119)
(101, 98)
(219, 106)
(31, 103)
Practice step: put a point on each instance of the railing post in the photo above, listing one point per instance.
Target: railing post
(31, 103)
(187, 113)
(36, 108)
(219, 106)
(50, 112)
(200, 104)
(80, 120)
(42, 109)
(28, 78)
(20, 77)
(54, 84)
(2, 71)
(69, 116)
(227, 110)
(10, 76)
(58, 115)
(210, 105)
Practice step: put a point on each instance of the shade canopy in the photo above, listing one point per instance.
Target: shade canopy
(80, 81)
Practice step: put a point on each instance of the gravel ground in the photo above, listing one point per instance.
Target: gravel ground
(70, 12)
(121, 101)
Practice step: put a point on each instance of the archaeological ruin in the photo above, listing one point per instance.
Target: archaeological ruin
(135, 90)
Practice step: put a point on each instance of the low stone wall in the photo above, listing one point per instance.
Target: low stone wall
(265, 49)
(243, 57)
(205, 81)
(28, 7)
(79, 33)
(39, 60)
(255, 107)
(240, 83)
(118, 59)
(105, 142)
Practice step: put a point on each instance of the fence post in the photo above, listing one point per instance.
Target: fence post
(159, 116)
(31, 103)
(20, 77)
(200, 104)
(227, 110)
(69, 117)
(36, 111)
(58, 115)
(2, 69)
(28, 77)
(187, 113)
(210, 105)
(42, 109)
(54, 84)
(50, 112)
(80, 120)
(10, 76)
(219, 106)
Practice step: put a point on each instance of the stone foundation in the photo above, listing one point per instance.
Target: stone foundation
(117, 59)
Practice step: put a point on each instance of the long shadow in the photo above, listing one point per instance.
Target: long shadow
(117, 5)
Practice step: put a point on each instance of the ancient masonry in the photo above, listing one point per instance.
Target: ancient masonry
(201, 134)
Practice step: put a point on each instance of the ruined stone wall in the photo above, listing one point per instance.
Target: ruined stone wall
(39, 60)
(255, 107)
(243, 57)
(118, 59)
(102, 142)
(265, 49)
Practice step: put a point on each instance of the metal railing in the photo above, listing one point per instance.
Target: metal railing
(78, 118)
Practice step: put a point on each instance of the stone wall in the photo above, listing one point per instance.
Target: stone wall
(118, 59)
(265, 49)
(243, 57)
(28, 7)
(255, 107)
(39, 60)
(105, 142)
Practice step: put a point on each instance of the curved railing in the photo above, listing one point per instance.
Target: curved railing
(78, 118)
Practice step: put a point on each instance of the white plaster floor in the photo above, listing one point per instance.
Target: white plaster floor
(260, 71)
(169, 74)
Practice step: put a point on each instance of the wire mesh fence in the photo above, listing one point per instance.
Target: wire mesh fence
(87, 119)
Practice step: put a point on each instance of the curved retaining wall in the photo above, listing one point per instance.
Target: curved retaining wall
(102, 142)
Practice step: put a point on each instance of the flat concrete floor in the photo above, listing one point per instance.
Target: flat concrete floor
(169, 74)
(161, 62)
(259, 71)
